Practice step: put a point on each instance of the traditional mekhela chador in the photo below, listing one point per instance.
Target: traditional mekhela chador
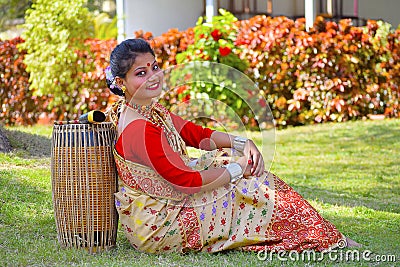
(254, 213)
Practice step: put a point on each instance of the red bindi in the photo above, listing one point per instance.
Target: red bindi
(148, 64)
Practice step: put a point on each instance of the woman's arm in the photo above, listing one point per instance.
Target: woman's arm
(250, 150)
(213, 178)
(150, 147)
(220, 139)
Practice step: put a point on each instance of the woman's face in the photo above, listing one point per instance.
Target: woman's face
(144, 80)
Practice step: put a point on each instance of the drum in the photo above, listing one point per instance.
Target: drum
(84, 180)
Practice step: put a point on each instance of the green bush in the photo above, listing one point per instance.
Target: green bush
(104, 27)
(54, 35)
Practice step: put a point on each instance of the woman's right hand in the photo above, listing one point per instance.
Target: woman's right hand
(246, 165)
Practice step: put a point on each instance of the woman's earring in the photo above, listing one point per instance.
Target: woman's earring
(123, 88)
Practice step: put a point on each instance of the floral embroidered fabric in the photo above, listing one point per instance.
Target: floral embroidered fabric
(256, 213)
(252, 214)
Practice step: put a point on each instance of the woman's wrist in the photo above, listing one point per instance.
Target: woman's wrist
(235, 171)
(239, 143)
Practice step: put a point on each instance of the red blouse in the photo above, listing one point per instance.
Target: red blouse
(145, 143)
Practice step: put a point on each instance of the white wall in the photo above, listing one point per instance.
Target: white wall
(388, 10)
(158, 16)
(279, 7)
(238, 4)
(287, 7)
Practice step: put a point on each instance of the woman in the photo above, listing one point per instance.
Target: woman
(166, 202)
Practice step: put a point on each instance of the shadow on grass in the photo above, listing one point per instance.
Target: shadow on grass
(378, 136)
(352, 164)
(350, 140)
(23, 200)
(377, 232)
(368, 199)
(29, 145)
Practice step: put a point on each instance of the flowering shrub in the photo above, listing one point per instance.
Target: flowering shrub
(335, 72)
(391, 85)
(328, 74)
(215, 41)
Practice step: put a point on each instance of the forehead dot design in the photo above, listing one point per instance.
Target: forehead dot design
(148, 64)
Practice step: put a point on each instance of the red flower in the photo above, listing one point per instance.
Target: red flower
(216, 34)
(181, 89)
(224, 51)
(262, 102)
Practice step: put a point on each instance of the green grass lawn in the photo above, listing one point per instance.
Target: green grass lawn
(350, 172)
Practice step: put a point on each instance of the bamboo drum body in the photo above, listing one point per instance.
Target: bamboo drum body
(84, 180)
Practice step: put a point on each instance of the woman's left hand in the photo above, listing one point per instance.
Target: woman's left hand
(251, 151)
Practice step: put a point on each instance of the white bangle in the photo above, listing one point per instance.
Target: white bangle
(239, 143)
(235, 171)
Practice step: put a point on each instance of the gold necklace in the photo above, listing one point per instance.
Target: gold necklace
(144, 110)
